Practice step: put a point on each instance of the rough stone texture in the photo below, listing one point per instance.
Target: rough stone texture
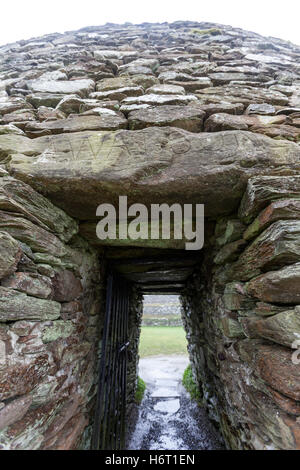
(280, 286)
(160, 100)
(82, 87)
(166, 89)
(10, 254)
(149, 163)
(284, 209)
(263, 190)
(48, 341)
(241, 335)
(66, 286)
(251, 392)
(277, 246)
(241, 93)
(188, 118)
(273, 126)
(16, 196)
(14, 411)
(77, 124)
(64, 138)
(274, 366)
(119, 93)
(223, 122)
(18, 306)
(32, 284)
(281, 328)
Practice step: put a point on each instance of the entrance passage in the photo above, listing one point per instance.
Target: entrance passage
(109, 428)
(162, 331)
(168, 419)
(135, 273)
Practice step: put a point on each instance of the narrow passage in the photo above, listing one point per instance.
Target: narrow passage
(168, 419)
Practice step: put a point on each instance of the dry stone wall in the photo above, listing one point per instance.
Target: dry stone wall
(88, 115)
(50, 323)
(241, 313)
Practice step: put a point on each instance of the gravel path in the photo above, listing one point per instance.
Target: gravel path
(168, 419)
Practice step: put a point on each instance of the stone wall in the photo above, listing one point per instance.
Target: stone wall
(166, 113)
(241, 313)
(161, 310)
(50, 322)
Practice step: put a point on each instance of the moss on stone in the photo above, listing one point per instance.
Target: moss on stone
(213, 31)
(59, 329)
(253, 230)
(140, 390)
(190, 385)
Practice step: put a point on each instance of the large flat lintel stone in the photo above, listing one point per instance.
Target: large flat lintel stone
(79, 171)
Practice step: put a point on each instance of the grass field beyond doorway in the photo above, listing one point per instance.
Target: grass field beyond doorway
(162, 340)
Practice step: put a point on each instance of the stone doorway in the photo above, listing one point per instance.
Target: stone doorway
(240, 297)
(167, 416)
(187, 113)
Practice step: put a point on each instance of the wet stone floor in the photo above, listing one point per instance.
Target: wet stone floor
(168, 419)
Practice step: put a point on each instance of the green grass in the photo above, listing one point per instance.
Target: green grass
(162, 340)
(190, 385)
(140, 390)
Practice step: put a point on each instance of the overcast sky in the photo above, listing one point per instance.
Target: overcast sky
(24, 19)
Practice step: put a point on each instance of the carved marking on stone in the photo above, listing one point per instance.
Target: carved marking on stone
(179, 143)
(94, 152)
(83, 142)
(49, 151)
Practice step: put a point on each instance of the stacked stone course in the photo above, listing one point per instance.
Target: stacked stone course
(50, 321)
(243, 312)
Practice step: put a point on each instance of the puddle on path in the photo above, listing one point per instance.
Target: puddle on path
(168, 419)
